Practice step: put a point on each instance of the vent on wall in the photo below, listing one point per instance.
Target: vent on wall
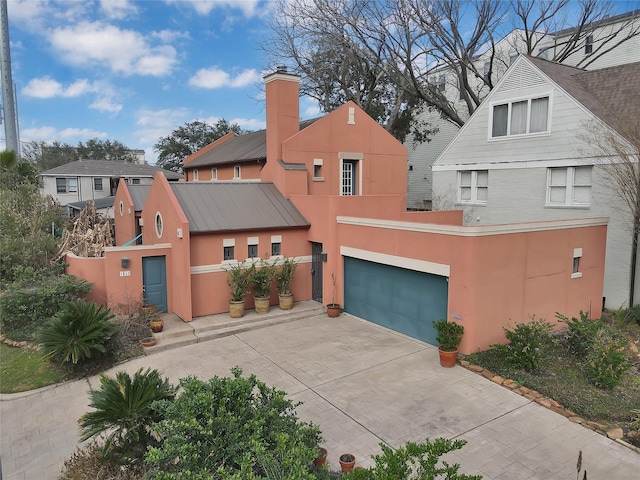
(523, 75)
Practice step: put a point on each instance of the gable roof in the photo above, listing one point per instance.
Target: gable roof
(611, 94)
(232, 206)
(248, 147)
(139, 195)
(109, 168)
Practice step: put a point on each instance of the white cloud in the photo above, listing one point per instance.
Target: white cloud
(106, 104)
(47, 87)
(158, 123)
(118, 9)
(49, 134)
(216, 78)
(168, 36)
(203, 7)
(123, 51)
(250, 123)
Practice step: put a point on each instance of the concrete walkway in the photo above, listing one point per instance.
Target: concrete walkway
(362, 385)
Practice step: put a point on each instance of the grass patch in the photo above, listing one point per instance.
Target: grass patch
(23, 369)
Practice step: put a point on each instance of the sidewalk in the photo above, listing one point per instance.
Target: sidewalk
(362, 384)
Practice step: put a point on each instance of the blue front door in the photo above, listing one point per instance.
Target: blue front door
(154, 282)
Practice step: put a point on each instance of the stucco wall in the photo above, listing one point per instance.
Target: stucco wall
(125, 222)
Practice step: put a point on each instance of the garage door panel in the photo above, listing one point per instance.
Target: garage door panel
(403, 300)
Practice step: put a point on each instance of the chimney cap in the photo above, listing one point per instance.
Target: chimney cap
(281, 68)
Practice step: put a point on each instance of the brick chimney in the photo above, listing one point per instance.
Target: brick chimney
(283, 117)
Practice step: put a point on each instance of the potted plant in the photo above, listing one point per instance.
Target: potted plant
(261, 278)
(284, 277)
(148, 342)
(156, 323)
(449, 336)
(238, 279)
(347, 461)
(333, 309)
(320, 460)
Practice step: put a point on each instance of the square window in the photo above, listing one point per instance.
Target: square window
(252, 251)
(135, 181)
(61, 185)
(275, 249)
(228, 253)
(569, 186)
(473, 186)
(97, 184)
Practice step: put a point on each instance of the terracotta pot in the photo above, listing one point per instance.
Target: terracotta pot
(286, 301)
(157, 324)
(347, 461)
(448, 359)
(148, 342)
(321, 458)
(333, 309)
(236, 308)
(262, 304)
(147, 309)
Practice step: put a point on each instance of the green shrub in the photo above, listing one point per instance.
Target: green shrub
(79, 332)
(607, 359)
(526, 344)
(414, 461)
(34, 296)
(633, 314)
(581, 333)
(231, 426)
(124, 411)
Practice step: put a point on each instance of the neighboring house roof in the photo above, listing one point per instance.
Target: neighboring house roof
(109, 168)
(602, 23)
(611, 93)
(101, 203)
(249, 147)
(139, 195)
(231, 206)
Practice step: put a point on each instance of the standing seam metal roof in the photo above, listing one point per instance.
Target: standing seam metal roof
(139, 195)
(231, 206)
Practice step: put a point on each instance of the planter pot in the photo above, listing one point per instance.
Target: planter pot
(157, 324)
(147, 309)
(321, 458)
(448, 359)
(148, 342)
(347, 461)
(236, 308)
(286, 301)
(262, 304)
(333, 309)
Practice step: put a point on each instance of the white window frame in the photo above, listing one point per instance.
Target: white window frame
(510, 103)
(229, 243)
(569, 188)
(253, 242)
(474, 187)
(317, 165)
(351, 157)
(214, 173)
(95, 185)
(588, 44)
(159, 225)
(67, 184)
(237, 172)
(195, 175)
(276, 240)
(577, 255)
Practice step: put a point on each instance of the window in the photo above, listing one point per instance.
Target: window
(588, 44)
(66, 185)
(228, 246)
(252, 247)
(577, 254)
(158, 225)
(349, 172)
(228, 253)
(520, 118)
(97, 184)
(317, 169)
(236, 171)
(442, 85)
(570, 186)
(487, 72)
(135, 181)
(214, 173)
(473, 186)
(195, 175)
(276, 245)
(411, 168)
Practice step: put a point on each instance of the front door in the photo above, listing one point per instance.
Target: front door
(316, 271)
(154, 282)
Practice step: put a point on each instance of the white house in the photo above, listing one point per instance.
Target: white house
(598, 43)
(522, 155)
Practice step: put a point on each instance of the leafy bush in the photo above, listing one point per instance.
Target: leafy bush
(414, 461)
(607, 359)
(231, 426)
(79, 332)
(526, 344)
(90, 462)
(581, 333)
(633, 314)
(34, 296)
(125, 413)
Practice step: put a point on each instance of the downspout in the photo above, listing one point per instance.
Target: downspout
(634, 258)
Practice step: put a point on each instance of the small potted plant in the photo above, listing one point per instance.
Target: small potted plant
(333, 309)
(261, 278)
(347, 461)
(449, 336)
(238, 279)
(320, 460)
(284, 277)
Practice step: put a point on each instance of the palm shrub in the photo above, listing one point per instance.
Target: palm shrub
(125, 411)
(527, 342)
(79, 332)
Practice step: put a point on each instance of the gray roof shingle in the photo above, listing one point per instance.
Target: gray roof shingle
(139, 195)
(232, 206)
(108, 168)
(100, 203)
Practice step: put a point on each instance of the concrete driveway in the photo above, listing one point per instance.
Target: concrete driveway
(362, 384)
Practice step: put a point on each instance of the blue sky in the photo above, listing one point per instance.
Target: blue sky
(134, 70)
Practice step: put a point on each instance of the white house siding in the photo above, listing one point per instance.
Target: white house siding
(85, 191)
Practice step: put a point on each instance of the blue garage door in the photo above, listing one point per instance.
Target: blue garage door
(403, 300)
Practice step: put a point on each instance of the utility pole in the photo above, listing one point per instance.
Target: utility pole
(8, 99)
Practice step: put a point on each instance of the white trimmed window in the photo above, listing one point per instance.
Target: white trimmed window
(97, 183)
(252, 247)
(473, 186)
(159, 225)
(317, 169)
(236, 172)
(228, 247)
(276, 245)
(214, 173)
(577, 255)
(349, 177)
(195, 175)
(569, 186)
(588, 44)
(66, 185)
(522, 117)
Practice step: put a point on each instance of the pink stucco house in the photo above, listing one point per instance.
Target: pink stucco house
(332, 193)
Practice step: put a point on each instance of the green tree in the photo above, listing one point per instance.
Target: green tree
(50, 155)
(188, 139)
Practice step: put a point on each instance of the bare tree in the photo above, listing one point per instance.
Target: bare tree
(389, 56)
